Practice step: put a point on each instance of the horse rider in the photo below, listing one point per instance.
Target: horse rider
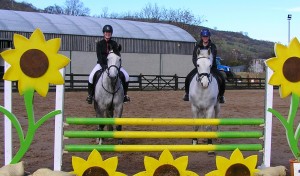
(206, 43)
(102, 52)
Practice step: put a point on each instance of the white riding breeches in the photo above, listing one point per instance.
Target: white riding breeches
(98, 67)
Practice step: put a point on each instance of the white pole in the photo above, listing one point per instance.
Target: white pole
(58, 141)
(7, 122)
(268, 119)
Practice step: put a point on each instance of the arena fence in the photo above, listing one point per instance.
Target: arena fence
(79, 82)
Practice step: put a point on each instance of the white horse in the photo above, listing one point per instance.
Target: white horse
(204, 90)
(109, 93)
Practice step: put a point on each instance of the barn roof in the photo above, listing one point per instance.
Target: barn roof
(19, 21)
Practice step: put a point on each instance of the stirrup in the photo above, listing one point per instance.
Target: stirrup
(126, 99)
(186, 97)
(89, 99)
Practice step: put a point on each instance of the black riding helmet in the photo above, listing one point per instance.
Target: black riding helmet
(107, 28)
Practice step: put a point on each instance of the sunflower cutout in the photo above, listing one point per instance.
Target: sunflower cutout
(94, 165)
(35, 64)
(286, 67)
(235, 166)
(286, 74)
(166, 165)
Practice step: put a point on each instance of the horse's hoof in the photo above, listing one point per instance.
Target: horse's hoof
(195, 142)
(99, 141)
(211, 153)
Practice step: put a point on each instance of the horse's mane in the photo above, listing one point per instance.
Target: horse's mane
(116, 50)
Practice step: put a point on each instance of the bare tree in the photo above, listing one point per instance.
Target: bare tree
(76, 8)
(54, 9)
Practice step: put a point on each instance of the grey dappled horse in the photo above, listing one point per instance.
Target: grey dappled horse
(204, 90)
(109, 93)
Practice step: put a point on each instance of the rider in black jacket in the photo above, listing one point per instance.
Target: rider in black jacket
(102, 49)
(205, 43)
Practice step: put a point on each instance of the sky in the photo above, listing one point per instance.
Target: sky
(259, 19)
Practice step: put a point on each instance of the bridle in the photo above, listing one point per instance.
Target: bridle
(200, 76)
(112, 78)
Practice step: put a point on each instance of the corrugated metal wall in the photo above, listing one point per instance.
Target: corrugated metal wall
(88, 44)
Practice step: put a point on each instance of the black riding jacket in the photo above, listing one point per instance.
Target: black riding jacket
(213, 49)
(102, 50)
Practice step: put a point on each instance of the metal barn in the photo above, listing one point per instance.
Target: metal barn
(147, 48)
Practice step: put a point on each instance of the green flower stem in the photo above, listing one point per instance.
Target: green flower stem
(32, 126)
(288, 125)
(14, 122)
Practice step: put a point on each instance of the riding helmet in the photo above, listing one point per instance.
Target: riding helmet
(205, 33)
(107, 28)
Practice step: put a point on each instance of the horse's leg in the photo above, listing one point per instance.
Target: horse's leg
(210, 113)
(110, 114)
(195, 111)
(99, 113)
(118, 112)
(217, 111)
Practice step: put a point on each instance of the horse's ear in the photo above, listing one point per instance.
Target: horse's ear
(120, 47)
(109, 47)
(198, 51)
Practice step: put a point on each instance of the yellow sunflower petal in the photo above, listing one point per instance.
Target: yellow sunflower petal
(214, 173)
(294, 47)
(143, 173)
(284, 91)
(151, 163)
(38, 38)
(181, 162)
(95, 158)
(251, 161)
(237, 156)
(276, 79)
(222, 162)
(166, 157)
(119, 174)
(55, 78)
(111, 164)
(10, 56)
(10, 75)
(53, 45)
(77, 163)
(23, 86)
(275, 64)
(281, 51)
(58, 61)
(20, 42)
(42, 87)
(190, 173)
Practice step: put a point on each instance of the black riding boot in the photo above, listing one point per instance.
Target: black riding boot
(89, 98)
(187, 84)
(126, 97)
(125, 87)
(222, 84)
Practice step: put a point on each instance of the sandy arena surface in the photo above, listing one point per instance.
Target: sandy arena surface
(240, 103)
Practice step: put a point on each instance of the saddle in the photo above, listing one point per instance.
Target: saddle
(98, 74)
(96, 77)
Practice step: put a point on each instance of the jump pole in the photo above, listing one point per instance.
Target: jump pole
(268, 119)
(159, 148)
(162, 134)
(7, 123)
(164, 121)
(58, 139)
